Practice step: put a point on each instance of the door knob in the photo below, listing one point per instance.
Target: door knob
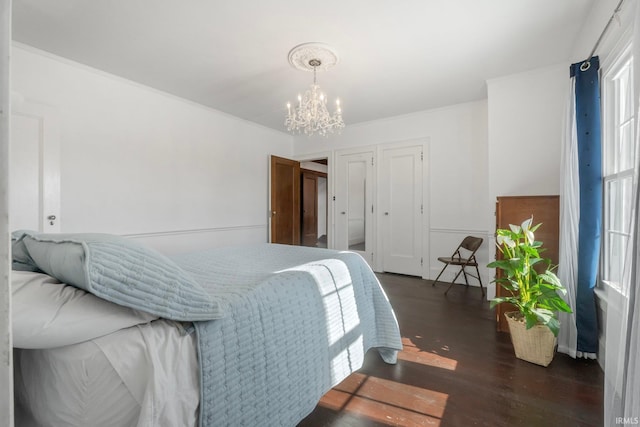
(386, 213)
(51, 218)
(343, 213)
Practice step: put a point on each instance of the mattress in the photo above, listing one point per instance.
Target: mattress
(145, 375)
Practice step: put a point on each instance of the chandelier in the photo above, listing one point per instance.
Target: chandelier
(310, 115)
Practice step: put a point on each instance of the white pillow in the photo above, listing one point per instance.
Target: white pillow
(47, 313)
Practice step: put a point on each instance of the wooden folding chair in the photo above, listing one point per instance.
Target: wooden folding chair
(469, 244)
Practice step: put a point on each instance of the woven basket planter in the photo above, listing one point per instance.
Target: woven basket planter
(535, 345)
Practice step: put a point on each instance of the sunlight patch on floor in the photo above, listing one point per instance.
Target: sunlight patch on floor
(386, 401)
(411, 353)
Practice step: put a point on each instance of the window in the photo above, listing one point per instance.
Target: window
(618, 163)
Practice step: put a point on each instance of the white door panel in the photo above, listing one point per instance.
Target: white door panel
(354, 203)
(402, 210)
(24, 174)
(34, 179)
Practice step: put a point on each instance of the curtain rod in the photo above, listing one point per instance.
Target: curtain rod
(586, 64)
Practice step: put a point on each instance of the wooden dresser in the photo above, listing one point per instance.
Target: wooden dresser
(516, 209)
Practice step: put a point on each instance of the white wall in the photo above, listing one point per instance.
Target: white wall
(6, 343)
(520, 124)
(456, 159)
(136, 161)
(594, 25)
(525, 124)
(526, 113)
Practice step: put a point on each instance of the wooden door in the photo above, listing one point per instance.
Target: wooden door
(309, 208)
(285, 201)
(515, 210)
(402, 210)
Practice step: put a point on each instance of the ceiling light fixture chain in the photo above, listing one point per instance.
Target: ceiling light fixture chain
(311, 115)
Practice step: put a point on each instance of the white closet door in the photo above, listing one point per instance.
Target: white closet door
(34, 178)
(354, 203)
(402, 210)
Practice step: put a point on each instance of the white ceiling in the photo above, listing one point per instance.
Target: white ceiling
(396, 57)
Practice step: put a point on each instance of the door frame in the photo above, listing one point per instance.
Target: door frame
(316, 175)
(329, 155)
(6, 367)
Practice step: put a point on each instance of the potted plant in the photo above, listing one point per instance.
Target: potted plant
(534, 290)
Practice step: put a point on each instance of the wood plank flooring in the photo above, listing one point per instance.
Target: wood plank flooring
(457, 370)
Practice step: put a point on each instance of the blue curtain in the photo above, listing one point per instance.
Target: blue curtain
(587, 101)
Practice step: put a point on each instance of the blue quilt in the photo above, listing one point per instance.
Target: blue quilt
(277, 326)
(297, 322)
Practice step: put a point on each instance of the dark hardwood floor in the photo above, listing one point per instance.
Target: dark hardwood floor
(456, 370)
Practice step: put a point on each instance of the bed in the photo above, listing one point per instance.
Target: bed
(250, 335)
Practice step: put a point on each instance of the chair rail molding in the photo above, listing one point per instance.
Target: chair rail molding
(444, 240)
(189, 240)
(469, 232)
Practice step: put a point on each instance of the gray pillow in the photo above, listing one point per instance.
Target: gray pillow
(121, 271)
(47, 314)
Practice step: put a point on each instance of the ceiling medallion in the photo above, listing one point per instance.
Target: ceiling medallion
(301, 55)
(310, 115)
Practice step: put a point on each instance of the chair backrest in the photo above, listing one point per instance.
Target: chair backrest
(471, 243)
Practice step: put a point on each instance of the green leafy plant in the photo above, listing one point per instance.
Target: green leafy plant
(533, 286)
